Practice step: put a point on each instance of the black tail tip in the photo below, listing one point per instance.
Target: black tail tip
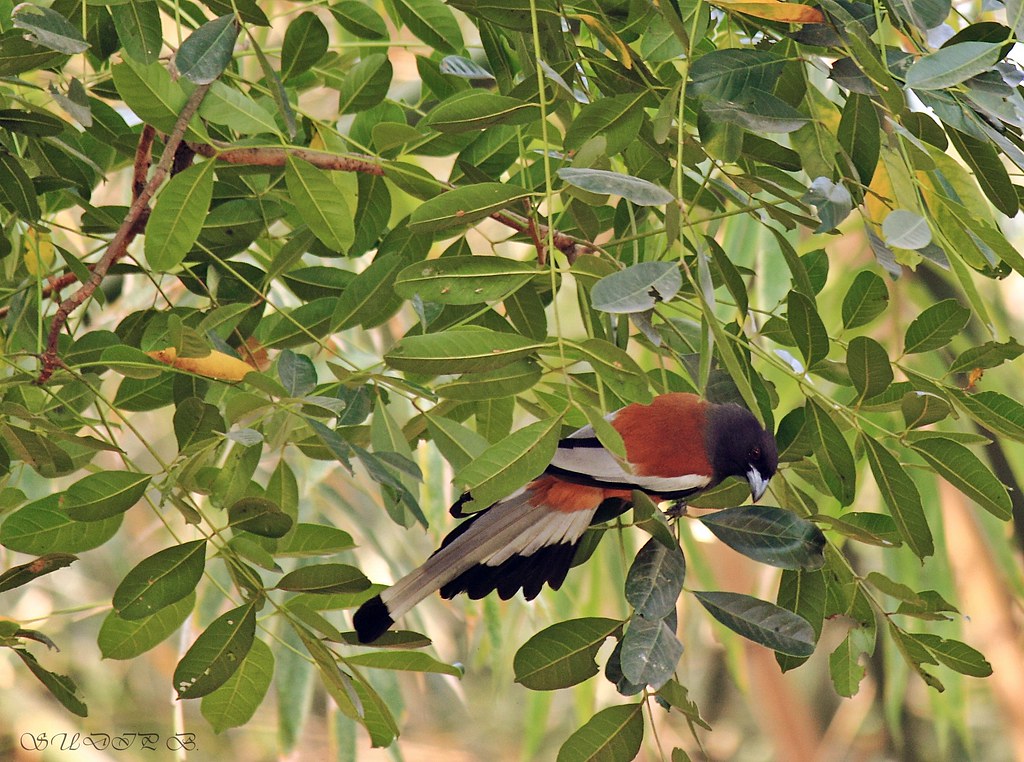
(372, 620)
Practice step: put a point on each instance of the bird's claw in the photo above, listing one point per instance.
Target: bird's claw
(676, 510)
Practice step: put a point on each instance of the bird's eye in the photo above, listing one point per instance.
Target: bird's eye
(755, 453)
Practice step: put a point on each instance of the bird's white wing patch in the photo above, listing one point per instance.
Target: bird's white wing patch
(548, 528)
(599, 464)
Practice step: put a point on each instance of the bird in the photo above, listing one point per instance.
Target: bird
(677, 446)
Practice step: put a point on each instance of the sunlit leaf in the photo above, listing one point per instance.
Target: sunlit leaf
(217, 653)
(562, 654)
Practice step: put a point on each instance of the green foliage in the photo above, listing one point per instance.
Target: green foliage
(364, 274)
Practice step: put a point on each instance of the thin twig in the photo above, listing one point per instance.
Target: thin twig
(538, 244)
(131, 226)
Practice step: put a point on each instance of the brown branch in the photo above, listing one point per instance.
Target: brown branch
(277, 157)
(131, 226)
(268, 156)
(143, 160)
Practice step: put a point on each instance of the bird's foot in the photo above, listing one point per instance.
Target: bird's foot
(676, 510)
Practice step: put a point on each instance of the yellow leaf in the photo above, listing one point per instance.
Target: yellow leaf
(214, 365)
(39, 252)
(878, 202)
(609, 38)
(773, 10)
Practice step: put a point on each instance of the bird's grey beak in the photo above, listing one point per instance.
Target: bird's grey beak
(758, 484)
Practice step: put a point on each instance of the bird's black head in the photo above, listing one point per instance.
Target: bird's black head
(739, 446)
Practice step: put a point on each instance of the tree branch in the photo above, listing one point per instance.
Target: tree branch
(273, 156)
(132, 225)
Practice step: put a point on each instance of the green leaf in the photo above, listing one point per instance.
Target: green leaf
(314, 540)
(859, 135)
(319, 204)
(259, 516)
(762, 622)
(305, 43)
(958, 656)
(965, 471)
(616, 369)
(62, 687)
(728, 74)
(923, 408)
(906, 230)
(206, 53)
(845, 669)
(869, 366)
(370, 298)
(988, 355)
(936, 326)
(360, 20)
(832, 453)
(758, 111)
(803, 593)
(901, 495)
(616, 119)
(178, 216)
(48, 28)
(562, 654)
(139, 29)
(36, 123)
(458, 66)
(324, 578)
(217, 653)
(509, 464)
(121, 638)
(43, 527)
(950, 66)
(365, 84)
(149, 91)
(650, 651)
(641, 192)
(297, 373)
(459, 444)
(655, 580)
(832, 201)
(475, 110)
(769, 535)
(276, 87)
(196, 422)
(235, 702)
(404, 661)
(99, 496)
(637, 288)
(16, 191)
(464, 206)
(612, 735)
(464, 280)
(459, 351)
(432, 22)
(161, 579)
(807, 329)
(871, 528)
(22, 574)
(506, 381)
(995, 411)
(865, 300)
(227, 106)
(987, 165)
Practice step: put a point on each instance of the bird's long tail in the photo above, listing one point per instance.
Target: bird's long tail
(524, 541)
